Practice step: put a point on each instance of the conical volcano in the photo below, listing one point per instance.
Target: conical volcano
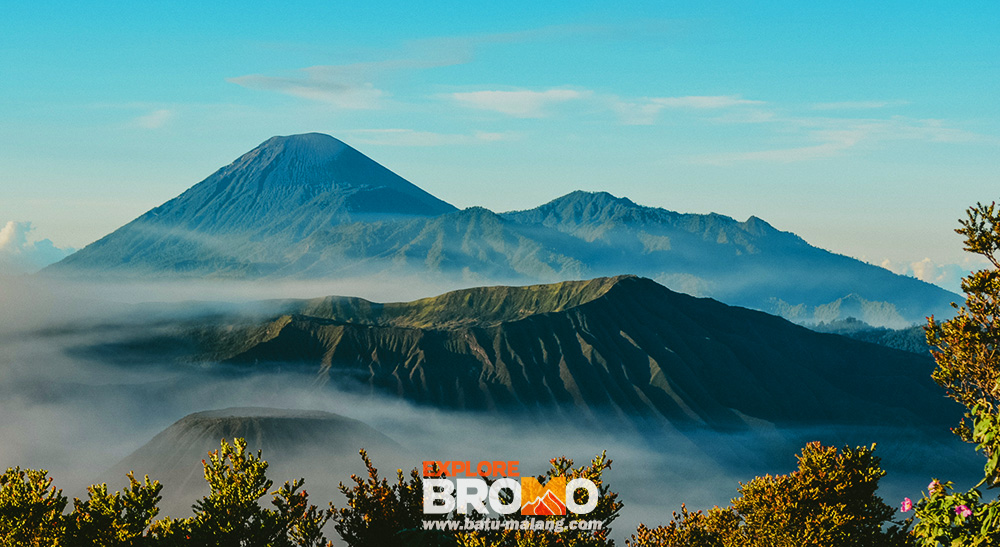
(236, 221)
(311, 207)
(300, 183)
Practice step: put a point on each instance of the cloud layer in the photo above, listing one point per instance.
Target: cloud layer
(18, 255)
(947, 276)
(520, 103)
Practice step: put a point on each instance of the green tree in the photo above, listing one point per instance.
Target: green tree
(967, 351)
(378, 511)
(829, 501)
(231, 515)
(30, 509)
(717, 528)
(114, 520)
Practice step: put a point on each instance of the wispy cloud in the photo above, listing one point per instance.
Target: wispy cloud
(342, 94)
(519, 103)
(360, 86)
(646, 110)
(703, 102)
(858, 105)
(833, 136)
(354, 86)
(155, 119)
(409, 137)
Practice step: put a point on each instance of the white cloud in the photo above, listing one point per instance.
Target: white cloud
(637, 113)
(858, 105)
(320, 86)
(488, 136)
(646, 111)
(155, 119)
(703, 102)
(834, 136)
(520, 103)
(18, 255)
(947, 276)
(409, 137)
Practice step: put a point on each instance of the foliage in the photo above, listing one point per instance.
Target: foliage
(607, 510)
(829, 501)
(376, 511)
(946, 517)
(967, 352)
(717, 528)
(30, 509)
(114, 520)
(231, 514)
(966, 347)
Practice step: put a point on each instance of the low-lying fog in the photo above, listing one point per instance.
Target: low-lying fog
(77, 417)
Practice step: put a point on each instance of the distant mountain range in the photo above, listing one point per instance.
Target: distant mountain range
(622, 346)
(309, 206)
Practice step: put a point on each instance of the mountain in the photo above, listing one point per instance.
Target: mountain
(621, 346)
(747, 263)
(309, 206)
(474, 245)
(320, 446)
(233, 222)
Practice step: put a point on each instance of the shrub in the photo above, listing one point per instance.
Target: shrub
(829, 501)
(114, 520)
(231, 515)
(30, 509)
(967, 352)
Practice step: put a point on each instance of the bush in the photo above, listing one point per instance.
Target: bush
(231, 514)
(829, 501)
(377, 511)
(965, 349)
(30, 509)
(114, 520)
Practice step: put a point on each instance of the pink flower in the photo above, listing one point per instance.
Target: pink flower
(933, 487)
(906, 505)
(963, 511)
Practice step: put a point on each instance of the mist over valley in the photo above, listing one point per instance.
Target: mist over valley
(314, 302)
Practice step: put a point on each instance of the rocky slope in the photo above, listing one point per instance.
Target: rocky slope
(623, 346)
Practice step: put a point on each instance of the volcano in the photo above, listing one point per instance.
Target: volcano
(311, 207)
(233, 223)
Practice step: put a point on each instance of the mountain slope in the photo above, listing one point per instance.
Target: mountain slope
(624, 345)
(745, 263)
(309, 206)
(473, 244)
(237, 220)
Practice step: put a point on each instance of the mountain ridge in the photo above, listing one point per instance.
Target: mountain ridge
(623, 346)
(311, 207)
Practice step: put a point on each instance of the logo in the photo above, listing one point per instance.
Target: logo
(460, 486)
(541, 500)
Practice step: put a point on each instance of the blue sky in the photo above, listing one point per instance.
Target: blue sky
(866, 129)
